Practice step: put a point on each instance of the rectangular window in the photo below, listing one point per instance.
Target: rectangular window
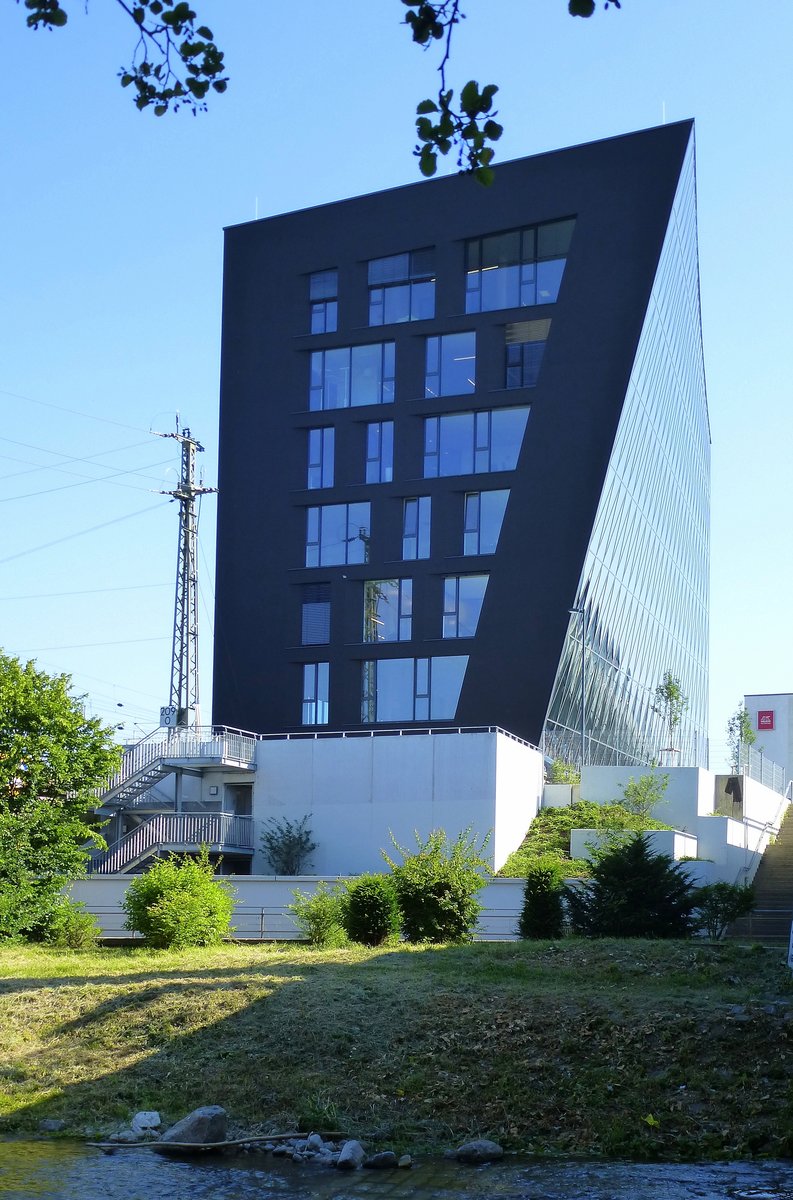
(416, 516)
(323, 290)
(473, 443)
(517, 269)
(484, 512)
(315, 693)
(525, 343)
(380, 452)
(462, 604)
(315, 626)
(337, 534)
(351, 376)
(451, 365)
(412, 689)
(320, 457)
(387, 610)
(402, 287)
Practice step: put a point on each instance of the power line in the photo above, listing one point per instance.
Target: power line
(62, 487)
(89, 645)
(74, 411)
(86, 458)
(80, 533)
(132, 587)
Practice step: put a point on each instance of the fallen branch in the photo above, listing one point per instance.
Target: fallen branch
(246, 1141)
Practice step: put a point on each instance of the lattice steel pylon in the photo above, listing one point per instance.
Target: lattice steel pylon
(184, 695)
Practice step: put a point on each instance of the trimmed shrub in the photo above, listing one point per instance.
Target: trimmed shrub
(437, 884)
(71, 927)
(719, 904)
(633, 893)
(372, 913)
(287, 845)
(320, 915)
(542, 914)
(178, 903)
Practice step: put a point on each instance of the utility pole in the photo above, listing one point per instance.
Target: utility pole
(184, 707)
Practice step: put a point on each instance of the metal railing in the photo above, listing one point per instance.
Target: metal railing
(200, 742)
(174, 829)
(754, 763)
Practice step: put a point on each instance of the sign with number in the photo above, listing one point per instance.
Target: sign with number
(169, 716)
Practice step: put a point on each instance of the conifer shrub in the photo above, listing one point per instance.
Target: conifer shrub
(178, 903)
(320, 915)
(542, 913)
(372, 914)
(437, 886)
(633, 893)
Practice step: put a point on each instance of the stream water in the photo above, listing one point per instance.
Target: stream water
(75, 1172)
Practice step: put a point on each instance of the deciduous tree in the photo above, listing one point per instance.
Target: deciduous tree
(52, 757)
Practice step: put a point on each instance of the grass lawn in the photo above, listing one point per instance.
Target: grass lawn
(620, 1048)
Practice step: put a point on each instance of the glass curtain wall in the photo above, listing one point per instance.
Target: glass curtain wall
(643, 594)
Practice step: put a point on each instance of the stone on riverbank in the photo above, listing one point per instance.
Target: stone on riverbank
(200, 1127)
(351, 1156)
(382, 1161)
(481, 1150)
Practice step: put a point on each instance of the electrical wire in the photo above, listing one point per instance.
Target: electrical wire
(132, 587)
(74, 411)
(79, 533)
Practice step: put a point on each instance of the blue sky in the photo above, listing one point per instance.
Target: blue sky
(110, 287)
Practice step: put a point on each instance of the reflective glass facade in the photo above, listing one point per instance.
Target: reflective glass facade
(642, 599)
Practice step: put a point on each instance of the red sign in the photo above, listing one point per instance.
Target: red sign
(765, 718)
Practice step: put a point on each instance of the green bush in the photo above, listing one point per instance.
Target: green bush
(372, 913)
(633, 893)
(542, 914)
(548, 835)
(563, 772)
(437, 884)
(287, 845)
(719, 904)
(320, 915)
(177, 903)
(71, 927)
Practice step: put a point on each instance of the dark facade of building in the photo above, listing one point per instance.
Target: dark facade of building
(449, 416)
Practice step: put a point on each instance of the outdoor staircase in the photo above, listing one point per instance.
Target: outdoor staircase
(174, 831)
(773, 889)
(150, 760)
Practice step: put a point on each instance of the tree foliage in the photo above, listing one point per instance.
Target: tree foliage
(52, 757)
(633, 893)
(371, 914)
(670, 702)
(719, 904)
(174, 62)
(437, 885)
(739, 734)
(321, 915)
(640, 796)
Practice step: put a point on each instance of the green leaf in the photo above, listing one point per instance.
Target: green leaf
(126, 80)
(204, 32)
(581, 8)
(427, 106)
(484, 175)
(424, 129)
(492, 130)
(488, 92)
(160, 110)
(138, 15)
(469, 97)
(428, 162)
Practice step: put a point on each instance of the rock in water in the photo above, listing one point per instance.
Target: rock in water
(351, 1156)
(479, 1151)
(146, 1122)
(382, 1161)
(200, 1127)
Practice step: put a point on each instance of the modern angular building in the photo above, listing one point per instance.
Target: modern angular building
(464, 458)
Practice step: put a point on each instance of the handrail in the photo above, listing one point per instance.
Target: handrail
(214, 829)
(768, 827)
(195, 742)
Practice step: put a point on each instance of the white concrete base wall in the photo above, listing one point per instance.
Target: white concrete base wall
(261, 908)
(358, 791)
(672, 842)
(689, 792)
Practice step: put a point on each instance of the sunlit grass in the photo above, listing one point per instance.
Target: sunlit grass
(563, 1047)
